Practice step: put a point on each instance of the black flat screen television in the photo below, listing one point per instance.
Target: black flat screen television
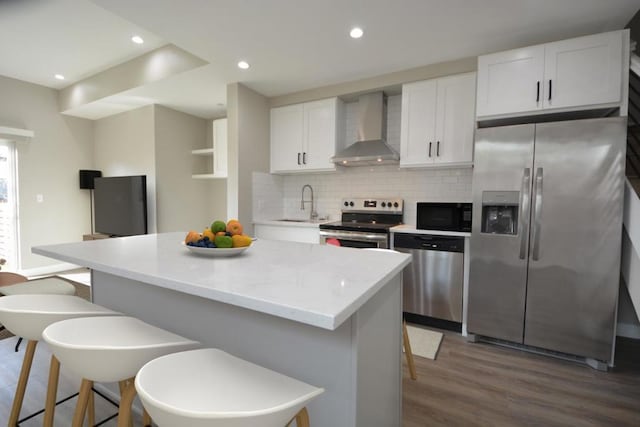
(121, 205)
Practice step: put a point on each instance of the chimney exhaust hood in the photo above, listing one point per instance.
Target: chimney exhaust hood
(370, 147)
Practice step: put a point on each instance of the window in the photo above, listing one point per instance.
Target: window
(8, 207)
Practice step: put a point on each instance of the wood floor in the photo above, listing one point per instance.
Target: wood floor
(467, 385)
(10, 363)
(486, 385)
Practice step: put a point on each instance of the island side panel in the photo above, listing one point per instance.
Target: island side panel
(378, 363)
(318, 356)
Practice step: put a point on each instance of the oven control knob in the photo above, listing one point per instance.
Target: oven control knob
(384, 204)
(346, 203)
(351, 204)
(395, 205)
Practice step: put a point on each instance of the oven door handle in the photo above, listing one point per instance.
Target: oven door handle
(356, 236)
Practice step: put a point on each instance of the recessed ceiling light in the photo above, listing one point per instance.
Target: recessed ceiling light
(59, 76)
(356, 32)
(137, 39)
(243, 64)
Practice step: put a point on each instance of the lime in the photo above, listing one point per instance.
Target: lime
(218, 226)
(224, 241)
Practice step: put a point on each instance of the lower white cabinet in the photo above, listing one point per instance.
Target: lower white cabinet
(438, 121)
(309, 234)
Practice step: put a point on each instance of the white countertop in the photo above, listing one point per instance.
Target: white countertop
(281, 223)
(320, 285)
(407, 228)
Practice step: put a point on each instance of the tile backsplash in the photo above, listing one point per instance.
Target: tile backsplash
(279, 196)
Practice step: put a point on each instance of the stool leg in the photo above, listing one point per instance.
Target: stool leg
(146, 418)
(128, 392)
(83, 401)
(22, 382)
(302, 418)
(407, 352)
(91, 409)
(52, 391)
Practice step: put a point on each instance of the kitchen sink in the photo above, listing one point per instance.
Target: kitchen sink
(293, 220)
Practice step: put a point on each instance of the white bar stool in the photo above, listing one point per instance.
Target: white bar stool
(17, 284)
(27, 316)
(48, 285)
(110, 349)
(211, 388)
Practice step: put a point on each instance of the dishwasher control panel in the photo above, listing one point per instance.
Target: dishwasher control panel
(428, 242)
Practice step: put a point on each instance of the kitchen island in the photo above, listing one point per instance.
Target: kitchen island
(328, 316)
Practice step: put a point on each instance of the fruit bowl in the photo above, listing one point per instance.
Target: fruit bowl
(216, 252)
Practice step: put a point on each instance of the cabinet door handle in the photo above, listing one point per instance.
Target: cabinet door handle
(304, 158)
(298, 158)
(438, 148)
(538, 91)
(550, 89)
(430, 148)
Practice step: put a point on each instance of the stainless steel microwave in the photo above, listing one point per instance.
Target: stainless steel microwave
(444, 216)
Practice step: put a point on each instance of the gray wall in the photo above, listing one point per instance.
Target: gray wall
(634, 26)
(47, 165)
(248, 121)
(184, 203)
(125, 145)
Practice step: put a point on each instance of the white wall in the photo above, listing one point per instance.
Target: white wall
(248, 137)
(183, 203)
(47, 165)
(412, 185)
(125, 145)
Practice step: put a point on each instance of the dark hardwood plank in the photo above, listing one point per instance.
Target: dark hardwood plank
(476, 384)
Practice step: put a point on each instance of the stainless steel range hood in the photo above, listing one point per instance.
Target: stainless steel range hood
(370, 147)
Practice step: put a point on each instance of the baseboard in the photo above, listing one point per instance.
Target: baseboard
(628, 330)
(48, 269)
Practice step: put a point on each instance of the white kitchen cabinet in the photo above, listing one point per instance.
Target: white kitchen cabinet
(575, 74)
(287, 130)
(214, 158)
(305, 136)
(584, 71)
(510, 81)
(437, 122)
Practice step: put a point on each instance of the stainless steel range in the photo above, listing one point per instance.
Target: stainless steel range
(365, 223)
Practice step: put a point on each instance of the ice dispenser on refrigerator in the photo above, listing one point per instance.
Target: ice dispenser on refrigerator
(500, 212)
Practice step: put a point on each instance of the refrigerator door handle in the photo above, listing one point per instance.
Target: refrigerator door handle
(537, 214)
(525, 197)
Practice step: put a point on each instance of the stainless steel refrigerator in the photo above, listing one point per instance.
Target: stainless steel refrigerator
(546, 235)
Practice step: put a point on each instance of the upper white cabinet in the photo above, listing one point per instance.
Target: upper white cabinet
(438, 121)
(510, 81)
(287, 130)
(581, 73)
(214, 158)
(304, 136)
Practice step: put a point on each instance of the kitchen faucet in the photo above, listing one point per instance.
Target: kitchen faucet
(314, 214)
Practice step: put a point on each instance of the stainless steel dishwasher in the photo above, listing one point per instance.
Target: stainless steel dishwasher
(433, 282)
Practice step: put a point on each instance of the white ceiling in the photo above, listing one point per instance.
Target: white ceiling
(75, 38)
(291, 45)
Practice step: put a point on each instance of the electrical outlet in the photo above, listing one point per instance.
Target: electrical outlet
(39, 198)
